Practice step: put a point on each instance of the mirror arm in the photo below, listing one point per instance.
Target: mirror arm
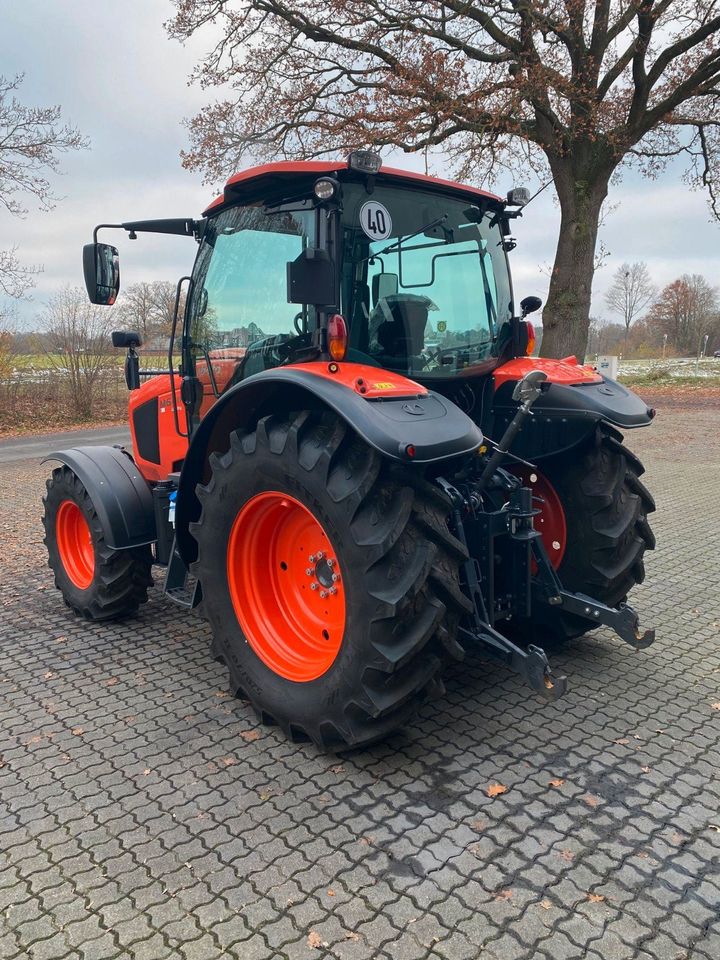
(181, 227)
(105, 226)
(132, 369)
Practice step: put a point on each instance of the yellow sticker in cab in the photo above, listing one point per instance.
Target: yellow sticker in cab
(383, 386)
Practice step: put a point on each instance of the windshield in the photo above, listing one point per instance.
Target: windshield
(426, 285)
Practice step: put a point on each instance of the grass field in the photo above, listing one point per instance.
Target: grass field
(34, 398)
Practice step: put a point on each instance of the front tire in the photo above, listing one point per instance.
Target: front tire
(97, 582)
(342, 669)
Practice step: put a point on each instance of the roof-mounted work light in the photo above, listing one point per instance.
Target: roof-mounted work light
(518, 197)
(365, 161)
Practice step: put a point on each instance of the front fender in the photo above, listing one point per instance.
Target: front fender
(406, 423)
(119, 492)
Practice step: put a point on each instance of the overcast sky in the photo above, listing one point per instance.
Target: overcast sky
(124, 84)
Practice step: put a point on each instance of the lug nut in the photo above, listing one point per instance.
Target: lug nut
(323, 594)
(332, 591)
(319, 555)
(313, 586)
(335, 577)
(311, 558)
(331, 562)
(308, 571)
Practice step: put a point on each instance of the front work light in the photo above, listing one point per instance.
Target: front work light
(324, 188)
(366, 161)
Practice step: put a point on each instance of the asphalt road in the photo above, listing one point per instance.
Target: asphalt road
(29, 448)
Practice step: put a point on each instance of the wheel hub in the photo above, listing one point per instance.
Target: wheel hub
(324, 574)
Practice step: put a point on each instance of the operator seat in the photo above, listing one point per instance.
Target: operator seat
(400, 322)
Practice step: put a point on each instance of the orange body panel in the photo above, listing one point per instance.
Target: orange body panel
(567, 371)
(368, 381)
(225, 363)
(157, 450)
(292, 168)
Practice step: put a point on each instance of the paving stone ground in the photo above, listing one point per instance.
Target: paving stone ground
(145, 814)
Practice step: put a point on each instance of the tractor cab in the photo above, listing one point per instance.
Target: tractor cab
(352, 262)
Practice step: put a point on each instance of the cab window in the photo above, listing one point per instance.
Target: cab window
(240, 318)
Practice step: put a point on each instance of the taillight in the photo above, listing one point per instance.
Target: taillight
(530, 338)
(337, 337)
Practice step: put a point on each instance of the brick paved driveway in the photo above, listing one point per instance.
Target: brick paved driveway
(144, 813)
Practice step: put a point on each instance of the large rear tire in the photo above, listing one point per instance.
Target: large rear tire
(605, 507)
(97, 582)
(344, 668)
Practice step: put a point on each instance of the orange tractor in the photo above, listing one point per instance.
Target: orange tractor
(315, 469)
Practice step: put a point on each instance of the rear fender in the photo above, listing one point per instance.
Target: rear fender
(396, 416)
(119, 493)
(568, 411)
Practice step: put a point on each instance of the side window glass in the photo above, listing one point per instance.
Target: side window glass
(241, 321)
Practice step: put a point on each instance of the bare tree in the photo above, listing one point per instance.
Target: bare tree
(686, 310)
(31, 142)
(631, 292)
(79, 345)
(15, 278)
(7, 345)
(148, 308)
(570, 89)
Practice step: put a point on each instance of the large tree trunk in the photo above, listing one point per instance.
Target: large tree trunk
(566, 316)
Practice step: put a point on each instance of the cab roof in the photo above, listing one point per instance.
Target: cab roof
(272, 178)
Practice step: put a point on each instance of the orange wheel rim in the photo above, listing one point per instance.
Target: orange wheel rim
(550, 521)
(75, 545)
(286, 586)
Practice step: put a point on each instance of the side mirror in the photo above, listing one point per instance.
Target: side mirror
(384, 285)
(311, 279)
(101, 266)
(530, 305)
(129, 339)
(126, 338)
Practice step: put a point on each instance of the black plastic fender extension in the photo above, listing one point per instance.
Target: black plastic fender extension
(420, 429)
(565, 415)
(118, 490)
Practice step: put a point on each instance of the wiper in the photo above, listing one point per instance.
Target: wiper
(401, 240)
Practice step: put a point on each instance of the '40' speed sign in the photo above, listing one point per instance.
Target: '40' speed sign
(375, 220)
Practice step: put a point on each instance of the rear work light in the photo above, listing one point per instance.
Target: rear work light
(337, 337)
